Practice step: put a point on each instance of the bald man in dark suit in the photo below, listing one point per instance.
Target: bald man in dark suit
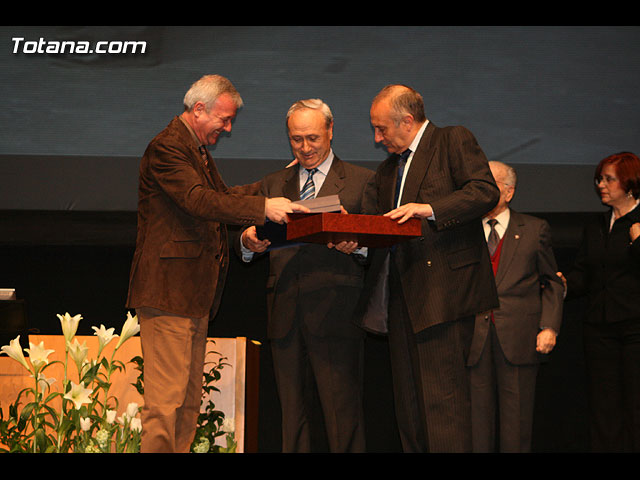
(436, 283)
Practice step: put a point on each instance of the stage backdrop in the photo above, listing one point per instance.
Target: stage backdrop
(552, 100)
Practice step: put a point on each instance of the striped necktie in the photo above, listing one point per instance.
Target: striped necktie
(494, 238)
(309, 188)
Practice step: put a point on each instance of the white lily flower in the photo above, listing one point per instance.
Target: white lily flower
(78, 395)
(111, 416)
(129, 329)
(104, 336)
(85, 424)
(38, 355)
(132, 410)
(14, 350)
(78, 353)
(69, 325)
(136, 425)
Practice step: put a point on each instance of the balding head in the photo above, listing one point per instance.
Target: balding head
(505, 177)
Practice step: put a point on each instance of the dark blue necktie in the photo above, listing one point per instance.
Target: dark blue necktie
(402, 161)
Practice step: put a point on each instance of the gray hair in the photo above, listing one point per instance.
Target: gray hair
(207, 90)
(313, 104)
(510, 177)
(404, 100)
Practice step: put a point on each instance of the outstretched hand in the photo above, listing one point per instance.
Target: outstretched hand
(276, 209)
(251, 241)
(410, 210)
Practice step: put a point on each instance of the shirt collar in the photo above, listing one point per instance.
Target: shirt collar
(324, 167)
(416, 140)
(191, 131)
(502, 218)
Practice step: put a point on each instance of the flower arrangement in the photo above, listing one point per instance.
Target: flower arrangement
(86, 419)
(81, 416)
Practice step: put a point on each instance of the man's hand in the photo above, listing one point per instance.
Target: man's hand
(251, 241)
(276, 209)
(409, 210)
(344, 247)
(546, 340)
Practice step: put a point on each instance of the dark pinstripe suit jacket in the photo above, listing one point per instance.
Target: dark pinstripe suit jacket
(446, 273)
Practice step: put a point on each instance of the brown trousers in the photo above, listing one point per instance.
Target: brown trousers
(173, 349)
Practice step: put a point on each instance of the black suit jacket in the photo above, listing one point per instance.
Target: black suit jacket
(530, 292)
(607, 270)
(446, 273)
(314, 272)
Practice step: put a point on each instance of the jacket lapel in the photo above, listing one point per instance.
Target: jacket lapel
(386, 189)
(334, 183)
(419, 164)
(210, 173)
(291, 189)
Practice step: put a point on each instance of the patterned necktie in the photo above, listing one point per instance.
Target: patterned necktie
(494, 238)
(309, 188)
(203, 155)
(402, 161)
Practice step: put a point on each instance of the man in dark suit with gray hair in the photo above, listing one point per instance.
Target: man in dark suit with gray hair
(508, 341)
(312, 292)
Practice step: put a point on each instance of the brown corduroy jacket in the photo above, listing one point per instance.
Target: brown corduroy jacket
(181, 256)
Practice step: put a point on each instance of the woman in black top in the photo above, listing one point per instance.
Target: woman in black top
(607, 270)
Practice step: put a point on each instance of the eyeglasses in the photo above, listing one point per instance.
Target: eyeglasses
(605, 179)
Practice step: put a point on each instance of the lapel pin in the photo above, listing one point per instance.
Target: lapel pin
(517, 237)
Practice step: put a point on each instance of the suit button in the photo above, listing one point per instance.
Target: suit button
(428, 263)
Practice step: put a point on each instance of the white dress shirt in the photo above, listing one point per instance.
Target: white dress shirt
(501, 226)
(413, 147)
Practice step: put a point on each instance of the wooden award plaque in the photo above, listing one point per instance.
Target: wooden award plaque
(368, 230)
